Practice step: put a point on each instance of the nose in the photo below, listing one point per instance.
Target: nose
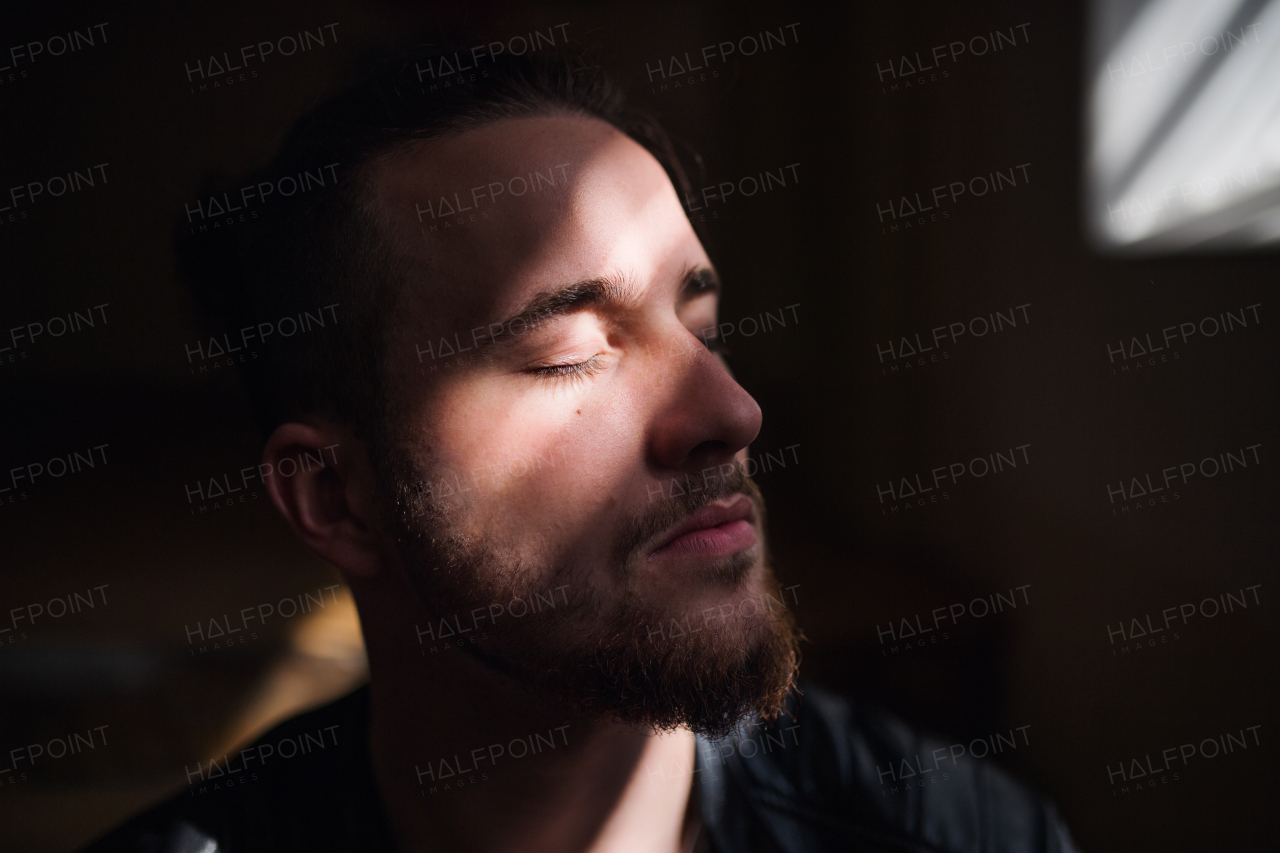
(706, 417)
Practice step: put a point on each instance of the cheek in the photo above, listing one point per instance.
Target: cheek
(540, 460)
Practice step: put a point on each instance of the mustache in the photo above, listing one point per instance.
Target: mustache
(682, 497)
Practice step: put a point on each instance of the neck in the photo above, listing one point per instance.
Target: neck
(455, 743)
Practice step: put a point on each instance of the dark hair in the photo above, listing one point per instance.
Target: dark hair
(320, 246)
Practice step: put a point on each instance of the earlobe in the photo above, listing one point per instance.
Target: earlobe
(320, 480)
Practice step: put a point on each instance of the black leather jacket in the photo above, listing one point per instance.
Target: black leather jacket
(835, 777)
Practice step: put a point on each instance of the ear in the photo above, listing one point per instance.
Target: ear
(322, 482)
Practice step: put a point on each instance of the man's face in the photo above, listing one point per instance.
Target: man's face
(566, 452)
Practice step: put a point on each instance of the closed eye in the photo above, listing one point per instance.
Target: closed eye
(592, 366)
(575, 370)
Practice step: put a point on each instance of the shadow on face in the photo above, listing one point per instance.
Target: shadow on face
(563, 413)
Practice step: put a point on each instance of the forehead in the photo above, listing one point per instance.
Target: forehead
(488, 217)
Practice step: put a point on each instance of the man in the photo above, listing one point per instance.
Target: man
(531, 475)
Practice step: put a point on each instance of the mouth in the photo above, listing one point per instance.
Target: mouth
(719, 529)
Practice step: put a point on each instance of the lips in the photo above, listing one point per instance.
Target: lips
(720, 528)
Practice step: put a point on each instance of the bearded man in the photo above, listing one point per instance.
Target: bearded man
(533, 480)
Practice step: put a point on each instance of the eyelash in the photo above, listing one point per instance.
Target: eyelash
(590, 367)
(580, 370)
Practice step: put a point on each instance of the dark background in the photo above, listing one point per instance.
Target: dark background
(819, 103)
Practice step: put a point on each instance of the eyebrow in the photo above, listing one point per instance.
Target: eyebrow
(609, 289)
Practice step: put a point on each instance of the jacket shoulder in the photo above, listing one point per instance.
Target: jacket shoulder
(847, 775)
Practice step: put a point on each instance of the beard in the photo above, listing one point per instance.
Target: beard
(607, 650)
